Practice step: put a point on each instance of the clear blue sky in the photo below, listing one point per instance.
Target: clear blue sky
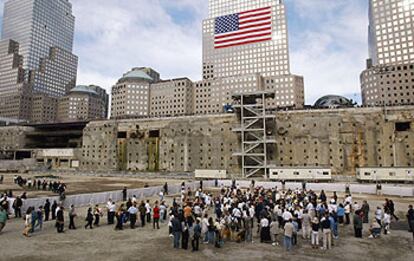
(328, 40)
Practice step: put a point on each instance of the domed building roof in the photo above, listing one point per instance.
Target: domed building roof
(136, 74)
(333, 101)
(83, 89)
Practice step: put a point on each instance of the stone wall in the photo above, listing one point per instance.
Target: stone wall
(171, 144)
(13, 137)
(345, 139)
(341, 139)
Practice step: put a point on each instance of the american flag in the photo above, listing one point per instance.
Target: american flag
(243, 28)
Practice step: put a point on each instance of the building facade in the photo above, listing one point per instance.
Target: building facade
(388, 77)
(15, 93)
(44, 109)
(83, 103)
(38, 25)
(171, 98)
(43, 31)
(130, 95)
(235, 59)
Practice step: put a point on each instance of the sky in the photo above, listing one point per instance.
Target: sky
(327, 38)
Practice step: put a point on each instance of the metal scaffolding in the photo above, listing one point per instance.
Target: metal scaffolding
(253, 130)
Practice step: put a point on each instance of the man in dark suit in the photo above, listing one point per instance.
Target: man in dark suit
(60, 220)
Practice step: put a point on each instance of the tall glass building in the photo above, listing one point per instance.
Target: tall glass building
(391, 24)
(246, 49)
(268, 57)
(44, 30)
(388, 79)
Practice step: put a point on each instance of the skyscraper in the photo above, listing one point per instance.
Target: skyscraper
(245, 49)
(44, 30)
(267, 54)
(389, 77)
(15, 93)
(391, 24)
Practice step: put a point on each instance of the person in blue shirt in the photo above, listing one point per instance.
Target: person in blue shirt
(334, 225)
(340, 213)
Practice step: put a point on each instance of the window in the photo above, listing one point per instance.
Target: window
(122, 135)
(402, 126)
(154, 133)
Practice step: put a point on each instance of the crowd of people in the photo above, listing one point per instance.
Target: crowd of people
(277, 216)
(41, 184)
(274, 216)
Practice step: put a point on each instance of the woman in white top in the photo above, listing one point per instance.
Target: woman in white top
(28, 222)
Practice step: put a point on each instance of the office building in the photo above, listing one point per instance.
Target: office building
(83, 103)
(130, 95)
(388, 79)
(15, 93)
(44, 30)
(243, 38)
(171, 98)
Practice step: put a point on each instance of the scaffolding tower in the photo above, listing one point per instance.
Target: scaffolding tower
(255, 132)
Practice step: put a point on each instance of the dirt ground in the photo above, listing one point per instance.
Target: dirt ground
(77, 184)
(103, 243)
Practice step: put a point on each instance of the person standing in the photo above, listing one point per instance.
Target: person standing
(195, 242)
(378, 215)
(3, 218)
(39, 216)
(410, 219)
(365, 211)
(326, 231)
(97, 213)
(17, 205)
(89, 219)
(315, 233)
(60, 220)
(185, 235)
(358, 224)
(347, 210)
(264, 230)
(156, 215)
(274, 231)
(54, 207)
(288, 235)
(133, 215)
(306, 225)
(142, 211)
(47, 209)
(119, 218)
(72, 215)
(28, 222)
(124, 194)
(387, 222)
(148, 211)
(176, 231)
(166, 188)
(110, 218)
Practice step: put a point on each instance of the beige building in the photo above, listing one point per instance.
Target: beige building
(210, 96)
(388, 79)
(44, 109)
(171, 98)
(388, 85)
(83, 103)
(130, 95)
(235, 62)
(15, 94)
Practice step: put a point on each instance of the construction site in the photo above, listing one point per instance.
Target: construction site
(245, 144)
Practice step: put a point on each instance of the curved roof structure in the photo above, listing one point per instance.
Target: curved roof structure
(83, 89)
(333, 101)
(136, 74)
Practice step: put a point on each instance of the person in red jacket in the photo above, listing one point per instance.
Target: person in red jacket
(156, 215)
